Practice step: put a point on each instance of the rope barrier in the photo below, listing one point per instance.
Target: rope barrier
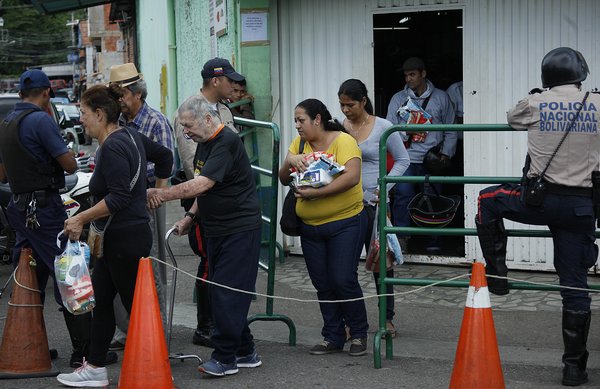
(357, 298)
(26, 288)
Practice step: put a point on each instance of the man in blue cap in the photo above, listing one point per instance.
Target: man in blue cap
(34, 158)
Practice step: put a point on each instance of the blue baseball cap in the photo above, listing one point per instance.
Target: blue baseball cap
(34, 78)
(217, 67)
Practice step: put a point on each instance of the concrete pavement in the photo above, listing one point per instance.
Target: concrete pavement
(428, 324)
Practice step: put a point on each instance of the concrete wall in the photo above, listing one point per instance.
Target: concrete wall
(152, 45)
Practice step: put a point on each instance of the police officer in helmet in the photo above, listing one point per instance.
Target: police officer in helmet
(563, 143)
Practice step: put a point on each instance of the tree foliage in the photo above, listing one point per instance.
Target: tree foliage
(29, 38)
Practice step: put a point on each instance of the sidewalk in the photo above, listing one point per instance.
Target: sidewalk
(428, 324)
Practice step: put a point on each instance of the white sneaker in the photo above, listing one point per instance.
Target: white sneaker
(85, 376)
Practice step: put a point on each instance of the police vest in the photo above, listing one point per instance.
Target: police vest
(25, 173)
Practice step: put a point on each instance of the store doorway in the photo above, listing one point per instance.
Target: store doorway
(436, 37)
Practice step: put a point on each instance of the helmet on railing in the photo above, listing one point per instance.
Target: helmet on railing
(432, 210)
(563, 66)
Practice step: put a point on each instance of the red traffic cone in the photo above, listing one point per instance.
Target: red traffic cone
(24, 349)
(477, 362)
(146, 360)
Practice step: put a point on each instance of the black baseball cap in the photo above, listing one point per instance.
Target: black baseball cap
(218, 67)
(413, 63)
(34, 78)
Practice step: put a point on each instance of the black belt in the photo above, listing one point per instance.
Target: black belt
(568, 190)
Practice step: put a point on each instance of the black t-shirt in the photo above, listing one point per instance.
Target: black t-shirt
(117, 162)
(231, 205)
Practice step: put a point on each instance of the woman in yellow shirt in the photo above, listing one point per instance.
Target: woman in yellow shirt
(333, 226)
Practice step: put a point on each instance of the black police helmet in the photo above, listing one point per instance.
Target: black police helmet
(563, 66)
(428, 210)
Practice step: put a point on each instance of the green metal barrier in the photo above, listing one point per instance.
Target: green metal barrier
(269, 216)
(384, 179)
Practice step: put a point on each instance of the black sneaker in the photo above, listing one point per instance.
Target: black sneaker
(358, 347)
(202, 338)
(116, 346)
(325, 347)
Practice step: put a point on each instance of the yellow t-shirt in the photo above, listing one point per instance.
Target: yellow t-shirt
(339, 206)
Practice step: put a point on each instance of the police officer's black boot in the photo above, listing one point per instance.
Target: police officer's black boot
(493, 240)
(575, 328)
(204, 316)
(79, 328)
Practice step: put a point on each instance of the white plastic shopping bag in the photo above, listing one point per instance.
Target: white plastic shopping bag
(73, 279)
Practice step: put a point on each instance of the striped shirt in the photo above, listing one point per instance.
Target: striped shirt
(155, 126)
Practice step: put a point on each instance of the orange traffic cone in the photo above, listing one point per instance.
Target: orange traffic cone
(24, 349)
(146, 360)
(477, 361)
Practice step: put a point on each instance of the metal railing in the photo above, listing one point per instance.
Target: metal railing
(384, 179)
(269, 218)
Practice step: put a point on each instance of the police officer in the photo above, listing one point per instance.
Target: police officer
(34, 157)
(567, 207)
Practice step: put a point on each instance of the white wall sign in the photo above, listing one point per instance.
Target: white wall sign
(220, 17)
(254, 27)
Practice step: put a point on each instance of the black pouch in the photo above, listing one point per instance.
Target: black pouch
(596, 195)
(535, 191)
(178, 178)
(41, 198)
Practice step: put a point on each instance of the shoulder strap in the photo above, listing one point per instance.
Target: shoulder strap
(566, 133)
(301, 146)
(425, 102)
(133, 180)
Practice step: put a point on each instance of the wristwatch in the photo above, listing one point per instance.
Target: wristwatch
(191, 215)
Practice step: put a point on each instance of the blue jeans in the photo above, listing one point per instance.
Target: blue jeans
(332, 252)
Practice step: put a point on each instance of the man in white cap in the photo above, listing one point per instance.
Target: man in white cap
(138, 115)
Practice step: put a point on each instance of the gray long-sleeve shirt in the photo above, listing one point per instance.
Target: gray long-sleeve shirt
(370, 157)
(441, 109)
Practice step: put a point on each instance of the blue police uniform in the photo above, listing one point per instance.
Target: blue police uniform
(41, 136)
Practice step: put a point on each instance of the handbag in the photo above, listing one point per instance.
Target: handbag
(535, 187)
(96, 235)
(289, 222)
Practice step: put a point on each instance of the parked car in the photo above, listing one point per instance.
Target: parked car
(66, 92)
(7, 103)
(72, 114)
(60, 100)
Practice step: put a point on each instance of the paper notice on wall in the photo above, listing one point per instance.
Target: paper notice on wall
(254, 27)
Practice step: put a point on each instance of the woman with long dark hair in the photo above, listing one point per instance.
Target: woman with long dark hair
(366, 128)
(333, 225)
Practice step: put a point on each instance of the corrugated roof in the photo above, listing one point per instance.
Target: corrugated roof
(55, 6)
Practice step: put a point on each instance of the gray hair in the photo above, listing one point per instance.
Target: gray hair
(139, 87)
(199, 108)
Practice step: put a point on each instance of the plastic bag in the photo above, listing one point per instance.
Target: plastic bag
(321, 171)
(412, 113)
(73, 279)
(394, 253)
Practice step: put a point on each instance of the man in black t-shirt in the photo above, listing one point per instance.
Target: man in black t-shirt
(224, 186)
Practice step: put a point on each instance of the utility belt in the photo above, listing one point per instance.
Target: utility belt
(42, 198)
(568, 190)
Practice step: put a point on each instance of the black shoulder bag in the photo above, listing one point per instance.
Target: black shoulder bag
(289, 220)
(535, 188)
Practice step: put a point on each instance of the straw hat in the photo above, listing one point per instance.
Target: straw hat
(125, 74)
